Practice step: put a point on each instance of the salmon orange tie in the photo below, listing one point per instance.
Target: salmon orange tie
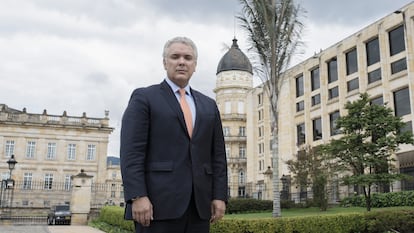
(187, 112)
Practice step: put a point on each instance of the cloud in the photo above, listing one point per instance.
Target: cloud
(88, 56)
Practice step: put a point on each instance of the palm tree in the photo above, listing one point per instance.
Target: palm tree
(274, 32)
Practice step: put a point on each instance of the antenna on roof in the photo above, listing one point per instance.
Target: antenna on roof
(234, 25)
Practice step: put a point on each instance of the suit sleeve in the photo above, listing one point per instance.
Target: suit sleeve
(219, 161)
(134, 139)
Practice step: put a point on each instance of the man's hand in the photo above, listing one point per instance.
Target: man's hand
(142, 211)
(218, 207)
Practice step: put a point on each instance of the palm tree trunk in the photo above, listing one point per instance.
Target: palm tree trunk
(275, 177)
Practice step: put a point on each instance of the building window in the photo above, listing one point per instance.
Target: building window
(71, 151)
(332, 123)
(261, 148)
(242, 191)
(260, 99)
(374, 76)
(378, 101)
(373, 51)
(299, 86)
(333, 92)
(30, 149)
(402, 102)
(351, 62)
(408, 127)
(261, 165)
(242, 131)
(315, 80)
(396, 40)
(398, 66)
(352, 84)
(48, 181)
(300, 133)
(51, 151)
(242, 151)
(242, 179)
(261, 129)
(332, 70)
(68, 182)
(316, 99)
(27, 180)
(226, 131)
(228, 150)
(317, 129)
(260, 112)
(9, 149)
(300, 106)
(91, 152)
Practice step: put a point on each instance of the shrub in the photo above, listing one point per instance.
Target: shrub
(369, 222)
(238, 205)
(114, 215)
(379, 200)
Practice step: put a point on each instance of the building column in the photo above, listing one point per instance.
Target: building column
(80, 204)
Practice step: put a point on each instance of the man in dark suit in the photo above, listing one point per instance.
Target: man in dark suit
(173, 160)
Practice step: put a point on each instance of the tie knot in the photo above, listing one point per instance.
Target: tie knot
(182, 92)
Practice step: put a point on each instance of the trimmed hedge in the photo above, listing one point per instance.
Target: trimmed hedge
(380, 200)
(369, 222)
(314, 224)
(114, 215)
(242, 205)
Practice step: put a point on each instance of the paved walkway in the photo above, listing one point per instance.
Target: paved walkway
(73, 229)
(47, 229)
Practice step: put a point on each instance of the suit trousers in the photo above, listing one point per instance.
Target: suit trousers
(190, 222)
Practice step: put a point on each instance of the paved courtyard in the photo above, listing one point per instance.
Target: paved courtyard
(47, 229)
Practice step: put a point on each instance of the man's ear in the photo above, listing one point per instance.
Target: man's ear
(164, 63)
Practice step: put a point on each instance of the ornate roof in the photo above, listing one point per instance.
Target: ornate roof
(234, 59)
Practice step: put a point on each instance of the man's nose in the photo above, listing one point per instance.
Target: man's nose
(181, 61)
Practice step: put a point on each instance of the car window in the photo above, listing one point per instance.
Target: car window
(62, 208)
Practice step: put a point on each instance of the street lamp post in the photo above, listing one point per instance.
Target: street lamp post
(7, 190)
(12, 163)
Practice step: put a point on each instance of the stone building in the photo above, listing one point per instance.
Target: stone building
(50, 149)
(378, 60)
(234, 81)
(115, 191)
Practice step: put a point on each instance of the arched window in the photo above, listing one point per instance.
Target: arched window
(241, 177)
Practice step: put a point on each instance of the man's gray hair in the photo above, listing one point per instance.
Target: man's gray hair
(179, 39)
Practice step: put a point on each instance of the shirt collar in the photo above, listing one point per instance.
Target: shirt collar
(175, 88)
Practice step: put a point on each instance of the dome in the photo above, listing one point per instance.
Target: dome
(234, 59)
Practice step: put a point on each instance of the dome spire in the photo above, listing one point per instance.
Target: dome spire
(234, 59)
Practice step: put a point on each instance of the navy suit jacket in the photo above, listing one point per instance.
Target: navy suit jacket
(159, 160)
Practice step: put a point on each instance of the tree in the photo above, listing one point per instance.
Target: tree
(274, 32)
(371, 135)
(312, 168)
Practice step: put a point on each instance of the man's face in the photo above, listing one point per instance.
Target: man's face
(180, 63)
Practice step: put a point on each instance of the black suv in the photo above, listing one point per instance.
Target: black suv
(59, 214)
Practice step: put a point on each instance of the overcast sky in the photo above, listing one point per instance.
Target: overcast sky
(89, 55)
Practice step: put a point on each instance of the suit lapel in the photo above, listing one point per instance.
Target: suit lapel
(171, 99)
(198, 110)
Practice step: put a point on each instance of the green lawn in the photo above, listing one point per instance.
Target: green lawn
(306, 212)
